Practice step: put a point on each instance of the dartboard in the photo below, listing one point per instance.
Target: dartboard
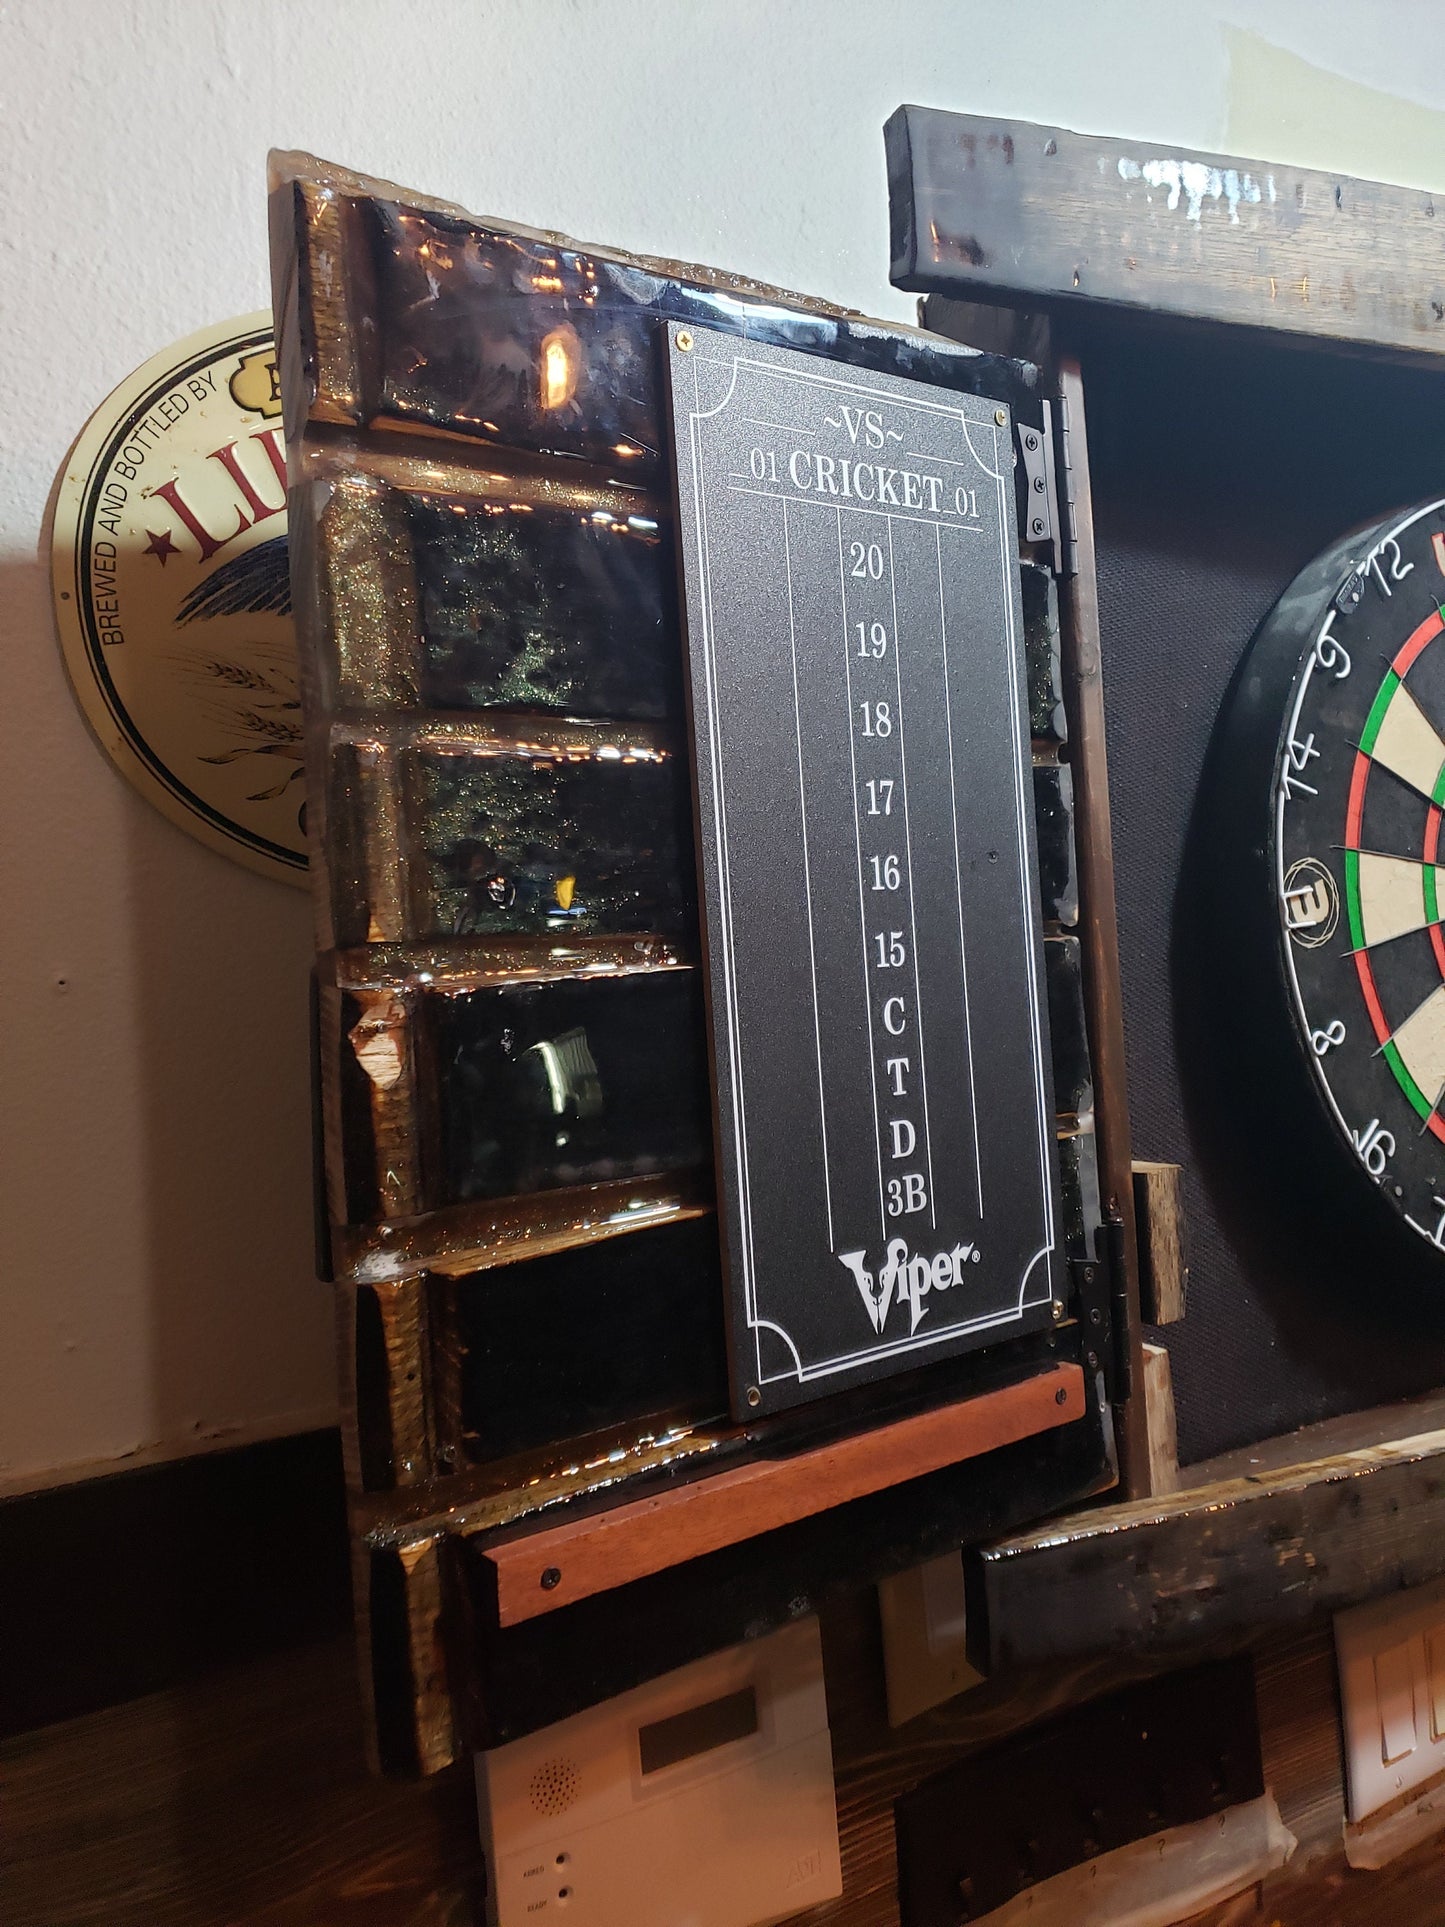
(1342, 698)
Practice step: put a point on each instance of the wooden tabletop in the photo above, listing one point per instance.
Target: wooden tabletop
(244, 1800)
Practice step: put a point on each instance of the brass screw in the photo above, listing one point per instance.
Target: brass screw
(1058, 1311)
(684, 340)
(755, 1397)
(1000, 415)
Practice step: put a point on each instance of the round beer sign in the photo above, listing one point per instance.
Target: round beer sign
(173, 594)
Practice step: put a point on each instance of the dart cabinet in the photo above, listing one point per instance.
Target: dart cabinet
(558, 1486)
(1261, 354)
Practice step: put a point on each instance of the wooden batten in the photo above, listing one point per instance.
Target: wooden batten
(1041, 217)
(1159, 1422)
(412, 1703)
(1159, 1214)
(1098, 923)
(538, 1572)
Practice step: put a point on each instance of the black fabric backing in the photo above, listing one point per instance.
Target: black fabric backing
(1221, 463)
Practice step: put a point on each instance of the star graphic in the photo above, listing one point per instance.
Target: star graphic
(160, 546)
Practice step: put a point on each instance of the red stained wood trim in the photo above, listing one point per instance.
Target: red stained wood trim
(539, 1571)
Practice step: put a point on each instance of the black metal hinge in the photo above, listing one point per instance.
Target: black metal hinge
(1102, 1302)
(1039, 520)
(1060, 480)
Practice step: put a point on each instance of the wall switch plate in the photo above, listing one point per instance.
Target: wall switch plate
(703, 1797)
(1392, 1695)
(924, 1634)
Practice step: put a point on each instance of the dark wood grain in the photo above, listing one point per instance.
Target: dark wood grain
(1351, 1432)
(243, 1800)
(1040, 216)
(1262, 1550)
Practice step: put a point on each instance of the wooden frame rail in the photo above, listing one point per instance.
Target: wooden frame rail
(1040, 217)
(1273, 1535)
(537, 1572)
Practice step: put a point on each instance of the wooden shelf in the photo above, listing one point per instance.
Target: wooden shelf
(1269, 1536)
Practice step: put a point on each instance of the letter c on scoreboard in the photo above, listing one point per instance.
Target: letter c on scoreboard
(893, 1017)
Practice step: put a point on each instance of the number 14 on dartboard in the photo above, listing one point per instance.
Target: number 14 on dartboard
(873, 965)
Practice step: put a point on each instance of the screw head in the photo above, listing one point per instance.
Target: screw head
(1061, 1396)
(754, 1396)
(1000, 415)
(551, 1578)
(1058, 1311)
(684, 339)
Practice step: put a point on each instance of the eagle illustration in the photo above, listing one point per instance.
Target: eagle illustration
(253, 700)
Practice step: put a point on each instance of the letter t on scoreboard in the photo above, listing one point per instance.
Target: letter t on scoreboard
(883, 1109)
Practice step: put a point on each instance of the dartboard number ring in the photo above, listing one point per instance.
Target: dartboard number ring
(1359, 871)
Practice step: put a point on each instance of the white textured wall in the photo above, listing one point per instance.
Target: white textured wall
(155, 1265)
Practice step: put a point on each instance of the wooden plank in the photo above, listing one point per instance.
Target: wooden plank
(1041, 216)
(1098, 923)
(1177, 1573)
(1159, 1421)
(1377, 1425)
(538, 1572)
(240, 1800)
(1159, 1214)
(402, 1590)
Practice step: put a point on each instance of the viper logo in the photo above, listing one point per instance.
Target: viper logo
(906, 1280)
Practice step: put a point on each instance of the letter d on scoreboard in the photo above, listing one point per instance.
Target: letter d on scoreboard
(883, 1116)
